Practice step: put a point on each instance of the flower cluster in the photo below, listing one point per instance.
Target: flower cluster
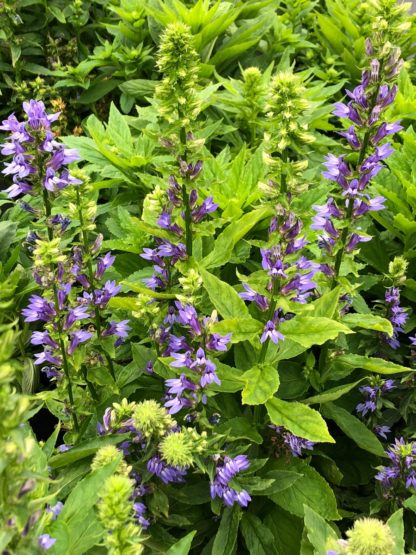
(188, 339)
(400, 475)
(396, 314)
(38, 159)
(353, 173)
(225, 472)
(373, 394)
(179, 62)
(289, 274)
(286, 442)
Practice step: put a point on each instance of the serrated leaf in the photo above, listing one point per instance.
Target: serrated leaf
(311, 490)
(318, 531)
(352, 362)
(368, 322)
(224, 297)
(261, 383)
(308, 331)
(299, 419)
(242, 329)
(354, 429)
(331, 394)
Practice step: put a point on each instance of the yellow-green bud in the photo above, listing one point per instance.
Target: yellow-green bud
(107, 454)
(370, 536)
(178, 60)
(47, 252)
(150, 418)
(397, 269)
(191, 283)
(178, 448)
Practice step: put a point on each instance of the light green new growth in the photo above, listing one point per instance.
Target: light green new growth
(152, 419)
(398, 268)
(370, 536)
(115, 512)
(179, 62)
(178, 449)
(285, 108)
(107, 454)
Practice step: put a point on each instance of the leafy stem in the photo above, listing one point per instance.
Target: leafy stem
(91, 279)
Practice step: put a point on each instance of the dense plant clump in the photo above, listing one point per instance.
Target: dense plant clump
(207, 327)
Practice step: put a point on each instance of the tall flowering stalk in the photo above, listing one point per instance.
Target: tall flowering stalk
(290, 275)
(339, 219)
(287, 131)
(70, 286)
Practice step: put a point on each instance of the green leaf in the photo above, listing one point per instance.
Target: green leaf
(354, 429)
(318, 531)
(183, 546)
(259, 539)
(226, 537)
(224, 297)
(352, 362)
(283, 479)
(77, 528)
(225, 242)
(57, 13)
(395, 522)
(240, 427)
(97, 91)
(308, 331)
(231, 379)
(331, 394)
(261, 383)
(242, 329)
(311, 490)
(118, 127)
(299, 419)
(368, 322)
(83, 450)
(326, 305)
(286, 529)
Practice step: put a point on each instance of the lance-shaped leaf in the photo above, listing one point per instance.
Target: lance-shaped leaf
(354, 429)
(224, 297)
(299, 419)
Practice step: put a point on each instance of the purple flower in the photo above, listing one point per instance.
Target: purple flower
(206, 207)
(77, 337)
(217, 342)
(55, 510)
(39, 309)
(294, 443)
(271, 333)
(43, 338)
(182, 360)
(251, 295)
(119, 329)
(47, 356)
(226, 472)
(168, 474)
(76, 314)
(46, 542)
(104, 262)
(176, 386)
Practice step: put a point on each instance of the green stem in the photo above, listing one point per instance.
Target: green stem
(90, 386)
(65, 365)
(91, 278)
(270, 312)
(185, 200)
